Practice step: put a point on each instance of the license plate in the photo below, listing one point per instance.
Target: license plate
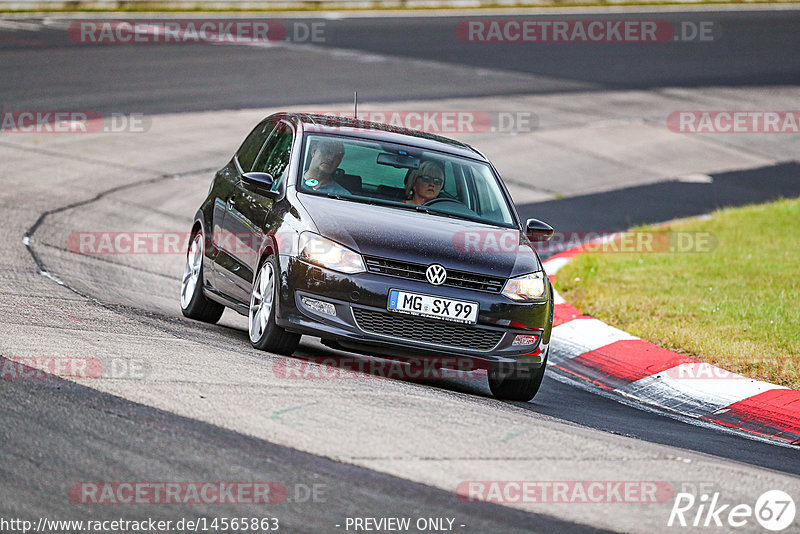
(459, 311)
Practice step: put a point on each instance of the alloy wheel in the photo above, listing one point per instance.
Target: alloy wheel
(261, 301)
(191, 273)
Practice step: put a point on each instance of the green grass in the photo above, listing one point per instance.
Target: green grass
(736, 306)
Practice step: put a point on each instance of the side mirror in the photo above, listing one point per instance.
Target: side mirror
(260, 183)
(537, 230)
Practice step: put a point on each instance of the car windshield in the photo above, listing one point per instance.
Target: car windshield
(403, 176)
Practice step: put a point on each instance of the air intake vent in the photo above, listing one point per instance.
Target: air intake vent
(410, 328)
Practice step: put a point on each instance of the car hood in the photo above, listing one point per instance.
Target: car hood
(412, 236)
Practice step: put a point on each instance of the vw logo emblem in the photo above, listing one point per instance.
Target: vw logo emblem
(436, 274)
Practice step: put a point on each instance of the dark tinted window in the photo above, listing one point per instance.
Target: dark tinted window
(252, 144)
(275, 157)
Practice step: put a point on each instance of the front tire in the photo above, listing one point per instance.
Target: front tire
(516, 382)
(194, 303)
(264, 333)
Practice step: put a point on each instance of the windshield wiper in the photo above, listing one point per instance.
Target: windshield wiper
(362, 200)
(426, 209)
(438, 213)
(391, 204)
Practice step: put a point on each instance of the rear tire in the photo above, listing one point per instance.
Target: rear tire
(516, 382)
(194, 303)
(264, 333)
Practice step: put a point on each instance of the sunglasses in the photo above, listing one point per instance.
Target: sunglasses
(435, 180)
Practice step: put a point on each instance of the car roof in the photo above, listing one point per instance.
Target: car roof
(330, 124)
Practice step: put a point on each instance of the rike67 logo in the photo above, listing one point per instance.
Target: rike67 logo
(774, 510)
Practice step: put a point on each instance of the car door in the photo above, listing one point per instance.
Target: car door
(224, 187)
(247, 212)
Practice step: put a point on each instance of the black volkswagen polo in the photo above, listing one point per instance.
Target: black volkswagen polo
(378, 240)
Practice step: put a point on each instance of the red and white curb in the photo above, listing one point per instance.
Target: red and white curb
(587, 349)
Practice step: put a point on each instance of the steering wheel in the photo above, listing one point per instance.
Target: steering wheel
(438, 200)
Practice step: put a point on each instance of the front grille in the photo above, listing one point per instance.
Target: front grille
(410, 328)
(416, 271)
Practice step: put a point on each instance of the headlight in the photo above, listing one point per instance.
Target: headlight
(525, 287)
(325, 253)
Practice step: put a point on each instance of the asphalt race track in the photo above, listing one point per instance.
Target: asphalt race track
(202, 405)
(756, 48)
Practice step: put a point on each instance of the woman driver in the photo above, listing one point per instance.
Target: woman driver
(424, 183)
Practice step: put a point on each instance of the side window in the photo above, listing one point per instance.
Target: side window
(247, 153)
(275, 157)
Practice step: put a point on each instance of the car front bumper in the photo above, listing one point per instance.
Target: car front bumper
(362, 323)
